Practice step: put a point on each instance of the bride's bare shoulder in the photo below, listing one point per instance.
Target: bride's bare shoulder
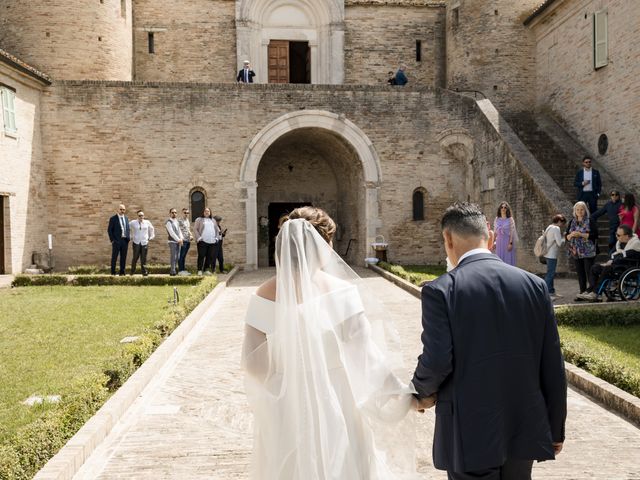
(268, 289)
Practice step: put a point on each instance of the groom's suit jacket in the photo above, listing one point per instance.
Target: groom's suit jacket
(492, 354)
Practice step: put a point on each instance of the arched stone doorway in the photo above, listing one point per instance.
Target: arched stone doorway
(318, 158)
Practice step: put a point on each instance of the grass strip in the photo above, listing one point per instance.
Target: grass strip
(416, 274)
(25, 451)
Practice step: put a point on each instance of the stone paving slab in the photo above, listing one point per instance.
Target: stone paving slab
(193, 422)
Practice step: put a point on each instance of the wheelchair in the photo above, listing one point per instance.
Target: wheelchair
(622, 283)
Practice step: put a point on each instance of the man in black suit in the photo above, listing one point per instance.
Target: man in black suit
(246, 74)
(119, 235)
(492, 357)
(588, 185)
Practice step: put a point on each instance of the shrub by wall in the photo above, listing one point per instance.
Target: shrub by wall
(614, 316)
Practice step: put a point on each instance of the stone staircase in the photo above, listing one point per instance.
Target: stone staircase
(561, 156)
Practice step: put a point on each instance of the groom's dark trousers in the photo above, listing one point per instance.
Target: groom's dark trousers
(511, 470)
(491, 352)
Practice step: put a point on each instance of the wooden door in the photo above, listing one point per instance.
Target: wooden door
(279, 61)
(2, 200)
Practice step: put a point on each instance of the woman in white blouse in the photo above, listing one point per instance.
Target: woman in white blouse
(206, 232)
(554, 240)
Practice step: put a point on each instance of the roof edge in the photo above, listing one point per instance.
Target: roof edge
(15, 62)
(538, 11)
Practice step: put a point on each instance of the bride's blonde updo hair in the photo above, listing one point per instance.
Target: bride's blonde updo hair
(317, 217)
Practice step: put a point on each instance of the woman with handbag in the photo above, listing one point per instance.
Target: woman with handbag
(554, 240)
(582, 247)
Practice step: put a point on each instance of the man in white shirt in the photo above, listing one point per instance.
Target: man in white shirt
(141, 232)
(588, 185)
(175, 239)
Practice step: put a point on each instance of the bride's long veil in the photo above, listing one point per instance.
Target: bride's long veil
(325, 397)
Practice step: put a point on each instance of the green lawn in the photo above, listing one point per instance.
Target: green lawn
(618, 344)
(416, 274)
(50, 336)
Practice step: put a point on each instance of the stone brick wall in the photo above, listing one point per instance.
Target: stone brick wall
(380, 37)
(70, 39)
(148, 145)
(195, 41)
(592, 102)
(518, 178)
(491, 51)
(22, 178)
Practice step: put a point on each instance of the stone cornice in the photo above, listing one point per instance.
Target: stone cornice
(397, 3)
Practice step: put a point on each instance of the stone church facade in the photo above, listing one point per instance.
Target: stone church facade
(135, 101)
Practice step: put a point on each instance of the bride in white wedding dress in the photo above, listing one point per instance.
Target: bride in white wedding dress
(319, 367)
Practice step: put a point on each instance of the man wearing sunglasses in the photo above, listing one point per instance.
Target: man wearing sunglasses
(611, 208)
(588, 184)
(119, 234)
(141, 232)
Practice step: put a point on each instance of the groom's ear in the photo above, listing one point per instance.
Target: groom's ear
(448, 239)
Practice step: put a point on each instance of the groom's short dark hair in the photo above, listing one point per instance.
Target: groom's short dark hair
(466, 220)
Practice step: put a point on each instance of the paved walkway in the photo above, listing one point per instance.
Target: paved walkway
(5, 281)
(192, 422)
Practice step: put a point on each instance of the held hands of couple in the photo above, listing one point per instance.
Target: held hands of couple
(421, 404)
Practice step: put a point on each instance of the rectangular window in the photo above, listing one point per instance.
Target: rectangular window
(418, 50)
(123, 9)
(152, 43)
(9, 110)
(455, 17)
(600, 35)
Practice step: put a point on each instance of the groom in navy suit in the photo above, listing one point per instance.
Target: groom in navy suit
(491, 356)
(119, 235)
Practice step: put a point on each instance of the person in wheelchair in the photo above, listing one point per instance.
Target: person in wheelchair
(626, 254)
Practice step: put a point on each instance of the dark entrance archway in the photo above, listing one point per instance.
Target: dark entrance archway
(311, 166)
(348, 154)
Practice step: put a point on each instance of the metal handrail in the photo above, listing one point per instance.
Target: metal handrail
(475, 92)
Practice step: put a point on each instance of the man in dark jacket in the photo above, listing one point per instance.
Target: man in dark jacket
(491, 354)
(118, 231)
(588, 185)
(611, 208)
(246, 74)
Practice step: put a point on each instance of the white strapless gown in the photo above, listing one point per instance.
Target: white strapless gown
(352, 424)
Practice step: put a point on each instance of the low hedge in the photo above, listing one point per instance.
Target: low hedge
(610, 316)
(34, 444)
(153, 268)
(604, 368)
(93, 280)
(38, 280)
(90, 280)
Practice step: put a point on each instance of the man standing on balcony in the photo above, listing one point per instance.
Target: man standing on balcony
(588, 185)
(401, 77)
(246, 74)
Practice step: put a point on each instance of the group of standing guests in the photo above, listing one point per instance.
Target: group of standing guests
(581, 233)
(209, 237)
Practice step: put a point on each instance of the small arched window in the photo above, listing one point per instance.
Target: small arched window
(198, 201)
(418, 205)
